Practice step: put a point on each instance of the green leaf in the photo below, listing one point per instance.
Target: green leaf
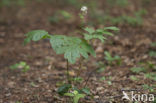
(101, 69)
(66, 14)
(22, 65)
(35, 35)
(108, 56)
(152, 53)
(98, 34)
(110, 59)
(108, 33)
(89, 37)
(147, 87)
(71, 47)
(86, 91)
(15, 66)
(89, 30)
(26, 68)
(112, 28)
(151, 76)
(77, 97)
(138, 69)
(133, 78)
(69, 94)
(63, 89)
(102, 78)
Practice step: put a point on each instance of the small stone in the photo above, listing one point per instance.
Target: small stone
(99, 49)
(40, 80)
(49, 91)
(96, 97)
(8, 94)
(11, 84)
(99, 88)
(145, 57)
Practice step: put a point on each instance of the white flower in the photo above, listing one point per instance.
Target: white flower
(84, 9)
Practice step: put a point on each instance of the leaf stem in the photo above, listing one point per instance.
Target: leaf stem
(68, 78)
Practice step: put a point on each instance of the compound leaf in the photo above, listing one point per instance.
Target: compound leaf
(89, 30)
(99, 33)
(71, 47)
(64, 89)
(35, 35)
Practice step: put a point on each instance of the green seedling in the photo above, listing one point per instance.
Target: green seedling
(75, 95)
(151, 76)
(138, 69)
(140, 12)
(134, 78)
(152, 54)
(64, 89)
(101, 67)
(73, 92)
(111, 59)
(21, 65)
(149, 66)
(85, 90)
(33, 84)
(73, 47)
(109, 82)
(102, 78)
(147, 87)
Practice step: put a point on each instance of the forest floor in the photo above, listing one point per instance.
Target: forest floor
(40, 83)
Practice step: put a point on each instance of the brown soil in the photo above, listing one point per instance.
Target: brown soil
(47, 68)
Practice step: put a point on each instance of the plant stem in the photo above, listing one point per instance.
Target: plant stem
(68, 78)
(89, 77)
(80, 66)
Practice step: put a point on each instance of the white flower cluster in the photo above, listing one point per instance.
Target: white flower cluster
(84, 9)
